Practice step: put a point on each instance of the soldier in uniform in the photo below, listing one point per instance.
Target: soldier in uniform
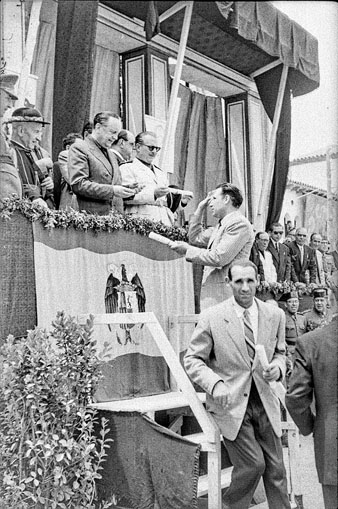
(320, 315)
(295, 323)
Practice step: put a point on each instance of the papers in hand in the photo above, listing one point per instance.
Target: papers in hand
(277, 387)
(162, 239)
(182, 192)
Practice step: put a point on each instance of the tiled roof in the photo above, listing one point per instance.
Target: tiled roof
(318, 155)
(307, 188)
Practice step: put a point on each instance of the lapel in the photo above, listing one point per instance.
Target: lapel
(263, 328)
(216, 230)
(98, 154)
(274, 251)
(235, 331)
(150, 175)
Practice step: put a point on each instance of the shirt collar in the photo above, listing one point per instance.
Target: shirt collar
(118, 155)
(240, 310)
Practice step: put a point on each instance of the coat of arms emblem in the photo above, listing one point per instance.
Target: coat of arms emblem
(124, 294)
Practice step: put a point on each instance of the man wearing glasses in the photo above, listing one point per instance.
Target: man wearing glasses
(303, 261)
(94, 175)
(280, 253)
(151, 202)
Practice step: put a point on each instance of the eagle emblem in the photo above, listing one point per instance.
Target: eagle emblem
(124, 294)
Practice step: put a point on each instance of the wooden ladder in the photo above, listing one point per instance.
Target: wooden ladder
(184, 395)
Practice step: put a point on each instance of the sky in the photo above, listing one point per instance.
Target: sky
(315, 115)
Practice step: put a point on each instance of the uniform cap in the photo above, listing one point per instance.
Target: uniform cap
(289, 295)
(319, 292)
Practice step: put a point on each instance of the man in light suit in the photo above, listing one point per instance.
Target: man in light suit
(315, 242)
(94, 175)
(314, 379)
(221, 360)
(280, 253)
(215, 248)
(150, 202)
(302, 259)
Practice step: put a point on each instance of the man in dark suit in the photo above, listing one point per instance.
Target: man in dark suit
(94, 175)
(280, 253)
(221, 360)
(314, 379)
(303, 262)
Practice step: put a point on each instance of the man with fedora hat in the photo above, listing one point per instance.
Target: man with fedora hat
(320, 314)
(26, 136)
(9, 177)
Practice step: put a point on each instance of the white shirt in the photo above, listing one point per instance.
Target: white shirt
(270, 274)
(301, 249)
(253, 315)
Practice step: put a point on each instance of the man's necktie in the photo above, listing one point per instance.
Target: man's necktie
(249, 336)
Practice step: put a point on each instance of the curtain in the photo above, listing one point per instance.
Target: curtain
(199, 155)
(205, 158)
(73, 72)
(268, 85)
(43, 68)
(106, 82)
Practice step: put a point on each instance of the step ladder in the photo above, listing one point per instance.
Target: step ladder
(184, 396)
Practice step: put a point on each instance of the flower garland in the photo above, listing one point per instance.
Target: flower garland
(278, 289)
(84, 222)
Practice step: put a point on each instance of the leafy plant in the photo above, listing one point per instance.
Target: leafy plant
(51, 451)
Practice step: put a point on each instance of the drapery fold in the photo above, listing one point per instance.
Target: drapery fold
(268, 85)
(74, 59)
(43, 68)
(105, 94)
(199, 145)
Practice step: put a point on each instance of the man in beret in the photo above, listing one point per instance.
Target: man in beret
(37, 184)
(9, 177)
(320, 315)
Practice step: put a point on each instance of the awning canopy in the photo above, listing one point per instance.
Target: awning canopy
(245, 36)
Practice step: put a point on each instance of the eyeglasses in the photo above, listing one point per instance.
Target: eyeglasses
(300, 235)
(277, 233)
(152, 148)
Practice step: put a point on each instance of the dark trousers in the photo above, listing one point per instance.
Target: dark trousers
(330, 496)
(256, 452)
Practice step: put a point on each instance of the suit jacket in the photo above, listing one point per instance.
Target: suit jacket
(297, 268)
(255, 258)
(216, 248)
(281, 260)
(144, 203)
(314, 377)
(218, 351)
(92, 176)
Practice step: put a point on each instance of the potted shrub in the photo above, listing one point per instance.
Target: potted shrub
(50, 451)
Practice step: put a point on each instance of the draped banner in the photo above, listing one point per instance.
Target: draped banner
(115, 272)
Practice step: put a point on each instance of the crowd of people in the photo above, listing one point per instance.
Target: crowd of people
(105, 169)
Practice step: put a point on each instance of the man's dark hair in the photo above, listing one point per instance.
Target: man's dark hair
(139, 138)
(87, 128)
(241, 263)
(234, 193)
(258, 235)
(103, 117)
(70, 139)
(313, 234)
(123, 135)
(275, 225)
